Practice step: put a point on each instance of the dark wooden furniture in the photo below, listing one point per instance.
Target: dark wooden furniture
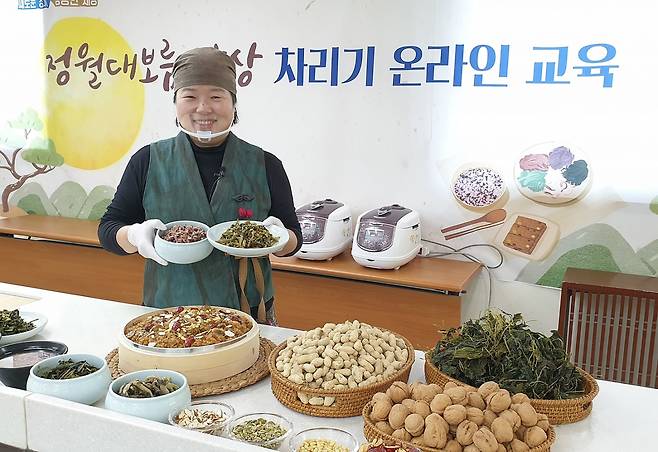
(417, 300)
(609, 322)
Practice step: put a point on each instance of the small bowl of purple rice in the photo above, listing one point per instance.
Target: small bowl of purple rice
(478, 186)
(183, 242)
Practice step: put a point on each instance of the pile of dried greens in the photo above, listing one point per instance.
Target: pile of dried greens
(68, 369)
(245, 234)
(11, 322)
(149, 387)
(500, 347)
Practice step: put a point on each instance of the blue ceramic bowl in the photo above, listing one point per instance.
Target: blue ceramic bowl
(16, 360)
(154, 408)
(183, 253)
(87, 389)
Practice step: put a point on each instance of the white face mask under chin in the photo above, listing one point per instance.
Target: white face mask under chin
(205, 135)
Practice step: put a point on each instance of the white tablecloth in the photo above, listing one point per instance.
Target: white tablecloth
(623, 417)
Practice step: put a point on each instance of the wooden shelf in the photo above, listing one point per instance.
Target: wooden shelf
(73, 230)
(441, 275)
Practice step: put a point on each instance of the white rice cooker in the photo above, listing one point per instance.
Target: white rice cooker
(387, 237)
(326, 229)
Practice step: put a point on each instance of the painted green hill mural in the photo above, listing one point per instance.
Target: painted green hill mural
(590, 257)
(597, 246)
(69, 200)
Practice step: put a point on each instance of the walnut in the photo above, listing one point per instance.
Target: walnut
(534, 436)
(409, 403)
(381, 396)
(519, 446)
(520, 397)
(380, 410)
(414, 424)
(401, 434)
(457, 395)
(485, 440)
(487, 388)
(476, 400)
(455, 414)
(512, 417)
(465, 432)
(384, 426)
(489, 417)
(502, 430)
(499, 401)
(398, 391)
(421, 407)
(475, 415)
(453, 446)
(435, 434)
(397, 415)
(439, 403)
(542, 421)
(528, 414)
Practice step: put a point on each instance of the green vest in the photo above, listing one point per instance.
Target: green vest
(174, 191)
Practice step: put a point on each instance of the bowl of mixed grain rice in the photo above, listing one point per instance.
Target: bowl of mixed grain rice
(477, 186)
(183, 242)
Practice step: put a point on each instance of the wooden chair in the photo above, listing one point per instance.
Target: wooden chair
(609, 322)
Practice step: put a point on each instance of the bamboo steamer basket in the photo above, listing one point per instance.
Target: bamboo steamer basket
(564, 411)
(198, 364)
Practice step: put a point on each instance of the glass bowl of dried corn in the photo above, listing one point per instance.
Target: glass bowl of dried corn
(325, 439)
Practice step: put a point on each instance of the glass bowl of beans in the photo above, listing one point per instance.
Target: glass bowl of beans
(325, 439)
(205, 416)
(266, 430)
(183, 242)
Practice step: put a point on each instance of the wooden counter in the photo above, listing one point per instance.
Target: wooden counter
(416, 300)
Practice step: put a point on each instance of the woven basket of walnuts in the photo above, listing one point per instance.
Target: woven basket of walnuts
(456, 418)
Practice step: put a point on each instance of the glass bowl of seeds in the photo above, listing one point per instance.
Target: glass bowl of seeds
(205, 416)
(266, 430)
(76, 377)
(183, 242)
(326, 439)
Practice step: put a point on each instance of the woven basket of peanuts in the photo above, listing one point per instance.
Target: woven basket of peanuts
(334, 370)
(455, 418)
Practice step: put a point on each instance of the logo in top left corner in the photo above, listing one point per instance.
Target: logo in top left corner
(33, 4)
(44, 4)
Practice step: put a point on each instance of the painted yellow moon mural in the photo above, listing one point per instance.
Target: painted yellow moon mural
(92, 116)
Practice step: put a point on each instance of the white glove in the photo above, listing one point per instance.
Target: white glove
(269, 221)
(141, 236)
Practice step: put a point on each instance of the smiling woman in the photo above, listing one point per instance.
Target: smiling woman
(93, 117)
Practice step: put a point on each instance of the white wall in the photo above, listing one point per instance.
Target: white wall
(539, 305)
(370, 146)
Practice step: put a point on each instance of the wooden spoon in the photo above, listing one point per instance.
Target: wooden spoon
(495, 216)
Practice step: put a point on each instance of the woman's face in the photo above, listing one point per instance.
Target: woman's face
(205, 108)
